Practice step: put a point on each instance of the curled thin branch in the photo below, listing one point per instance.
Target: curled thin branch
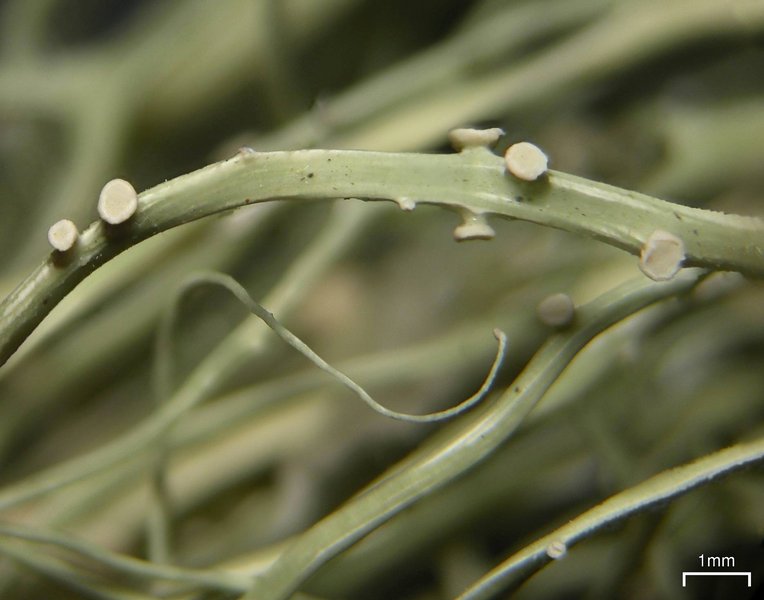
(164, 367)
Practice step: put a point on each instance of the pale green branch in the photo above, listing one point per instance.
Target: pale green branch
(126, 565)
(474, 181)
(660, 488)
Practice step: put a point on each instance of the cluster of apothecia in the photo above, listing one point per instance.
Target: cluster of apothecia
(117, 202)
(662, 253)
(524, 160)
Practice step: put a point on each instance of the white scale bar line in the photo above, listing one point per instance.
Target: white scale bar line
(686, 573)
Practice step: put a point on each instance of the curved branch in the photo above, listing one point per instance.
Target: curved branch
(472, 182)
(660, 488)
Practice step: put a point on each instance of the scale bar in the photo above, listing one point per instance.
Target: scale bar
(686, 574)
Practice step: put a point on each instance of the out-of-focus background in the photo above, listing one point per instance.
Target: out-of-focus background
(664, 97)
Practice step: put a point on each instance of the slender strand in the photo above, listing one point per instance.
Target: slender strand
(159, 517)
(65, 574)
(240, 293)
(127, 565)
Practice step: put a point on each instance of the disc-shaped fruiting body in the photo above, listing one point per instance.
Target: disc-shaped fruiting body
(473, 227)
(556, 310)
(464, 138)
(63, 235)
(526, 161)
(118, 202)
(662, 255)
(556, 550)
(405, 203)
